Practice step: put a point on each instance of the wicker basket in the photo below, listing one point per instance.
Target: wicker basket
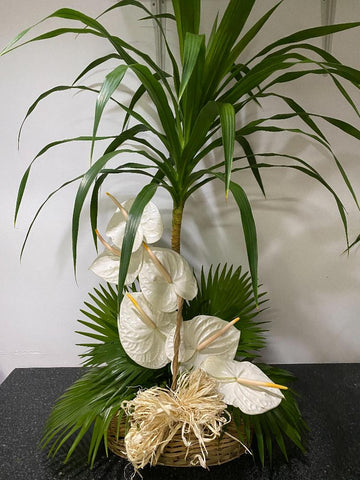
(220, 450)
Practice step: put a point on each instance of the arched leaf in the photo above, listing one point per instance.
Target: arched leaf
(132, 224)
(25, 177)
(95, 64)
(111, 83)
(52, 90)
(307, 34)
(249, 229)
(192, 46)
(87, 180)
(41, 207)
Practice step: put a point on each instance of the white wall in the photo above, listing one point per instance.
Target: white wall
(313, 289)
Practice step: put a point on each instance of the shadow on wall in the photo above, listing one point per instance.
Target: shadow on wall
(314, 292)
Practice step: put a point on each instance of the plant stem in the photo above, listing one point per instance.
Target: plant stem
(177, 340)
(175, 244)
(177, 214)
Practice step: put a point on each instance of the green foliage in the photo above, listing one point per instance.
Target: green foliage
(101, 316)
(227, 294)
(195, 107)
(284, 421)
(196, 104)
(88, 406)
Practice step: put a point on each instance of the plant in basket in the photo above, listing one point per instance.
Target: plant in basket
(171, 374)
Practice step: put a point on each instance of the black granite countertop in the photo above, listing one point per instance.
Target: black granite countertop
(329, 399)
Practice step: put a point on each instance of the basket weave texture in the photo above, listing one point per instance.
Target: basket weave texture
(176, 454)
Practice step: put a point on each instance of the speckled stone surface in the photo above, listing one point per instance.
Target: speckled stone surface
(329, 400)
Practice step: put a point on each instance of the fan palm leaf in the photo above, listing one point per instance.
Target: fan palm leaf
(227, 293)
(109, 378)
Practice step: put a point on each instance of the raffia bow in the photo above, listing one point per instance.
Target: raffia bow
(195, 408)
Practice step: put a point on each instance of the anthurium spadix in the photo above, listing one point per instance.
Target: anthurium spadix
(165, 278)
(150, 229)
(243, 385)
(143, 331)
(202, 336)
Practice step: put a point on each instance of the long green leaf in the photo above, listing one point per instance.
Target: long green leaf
(51, 34)
(249, 229)
(250, 35)
(310, 171)
(255, 77)
(120, 45)
(345, 94)
(41, 207)
(192, 47)
(355, 242)
(306, 117)
(227, 118)
(346, 128)
(187, 15)
(132, 224)
(25, 177)
(137, 95)
(158, 96)
(87, 180)
(251, 157)
(18, 37)
(307, 34)
(201, 127)
(190, 103)
(45, 94)
(95, 64)
(231, 24)
(156, 18)
(111, 83)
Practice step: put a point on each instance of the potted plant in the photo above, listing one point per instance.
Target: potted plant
(196, 106)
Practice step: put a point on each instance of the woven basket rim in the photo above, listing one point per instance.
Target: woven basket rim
(219, 451)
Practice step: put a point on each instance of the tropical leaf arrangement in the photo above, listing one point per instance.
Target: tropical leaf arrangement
(153, 320)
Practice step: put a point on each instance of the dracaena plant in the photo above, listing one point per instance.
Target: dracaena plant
(196, 104)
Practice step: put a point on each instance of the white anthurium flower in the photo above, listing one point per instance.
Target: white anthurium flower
(202, 336)
(107, 265)
(143, 331)
(244, 385)
(162, 290)
(150, 228)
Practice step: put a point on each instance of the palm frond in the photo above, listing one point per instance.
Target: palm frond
(110, 378)
(93, 400)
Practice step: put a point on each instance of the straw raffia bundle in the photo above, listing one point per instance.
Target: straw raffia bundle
(195, 408)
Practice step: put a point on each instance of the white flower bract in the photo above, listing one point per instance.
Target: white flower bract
(150, 228)
(107, 264)
(250, 399)
(196, 331)
(143, 343)
(160, 293)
